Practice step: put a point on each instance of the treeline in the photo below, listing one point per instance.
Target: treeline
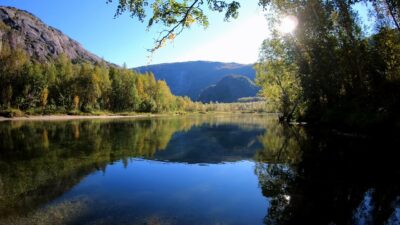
(244, 107)
(333, 69)
(67, 87)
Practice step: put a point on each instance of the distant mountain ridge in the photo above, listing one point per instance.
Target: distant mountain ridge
(19, 28)
(229, 89)
(191, 78)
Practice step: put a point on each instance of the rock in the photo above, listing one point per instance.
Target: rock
(21, 29)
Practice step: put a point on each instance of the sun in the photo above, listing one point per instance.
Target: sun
(288, 24)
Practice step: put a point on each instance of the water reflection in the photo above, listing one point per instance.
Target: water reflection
(321, 177)
(40, 161)
(102, 172)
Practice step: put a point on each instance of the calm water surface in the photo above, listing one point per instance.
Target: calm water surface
(194, 170)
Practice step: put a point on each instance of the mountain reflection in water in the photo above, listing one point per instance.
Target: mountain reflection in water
(194, 170)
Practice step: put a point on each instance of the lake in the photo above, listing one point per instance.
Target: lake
(230, 169)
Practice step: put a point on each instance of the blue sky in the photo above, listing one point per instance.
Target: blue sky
(125, 40)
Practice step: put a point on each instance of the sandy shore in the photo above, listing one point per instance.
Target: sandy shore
(71, 117)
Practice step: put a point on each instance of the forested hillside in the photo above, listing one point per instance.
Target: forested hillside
(62, 86)
(191, 78)
(229, 89)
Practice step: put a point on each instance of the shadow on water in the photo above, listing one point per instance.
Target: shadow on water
(317, 177)
(307, 176)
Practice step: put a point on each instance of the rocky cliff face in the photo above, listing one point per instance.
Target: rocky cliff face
(21, 29)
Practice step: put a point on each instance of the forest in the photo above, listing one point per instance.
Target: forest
(333, 69)
(61, 86)
(65, 87)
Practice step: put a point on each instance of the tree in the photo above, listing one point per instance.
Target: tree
(175, 15)
(164, 98)
(63, 89)
(124, 91)
(87, 87)
(43, 98)
(277, 74)
(76, 103)
(101, 73)
(339, 73)
(7, 94)
(12, 68)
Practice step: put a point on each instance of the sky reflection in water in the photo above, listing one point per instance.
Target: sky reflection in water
(193, 170)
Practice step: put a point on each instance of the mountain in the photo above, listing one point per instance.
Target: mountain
(191, 78)
(229, 89)
(215, 145)
(21, 29)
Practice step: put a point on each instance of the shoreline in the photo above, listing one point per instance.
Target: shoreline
(64, 117)
(75, 117)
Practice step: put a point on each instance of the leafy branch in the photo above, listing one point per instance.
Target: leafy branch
(174, 15)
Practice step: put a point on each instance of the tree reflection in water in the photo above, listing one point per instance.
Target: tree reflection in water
(317, 177)
(308, 176)
(41, 160)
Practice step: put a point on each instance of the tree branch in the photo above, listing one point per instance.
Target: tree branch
(160, 41)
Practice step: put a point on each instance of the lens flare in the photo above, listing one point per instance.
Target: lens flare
(288, 24)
